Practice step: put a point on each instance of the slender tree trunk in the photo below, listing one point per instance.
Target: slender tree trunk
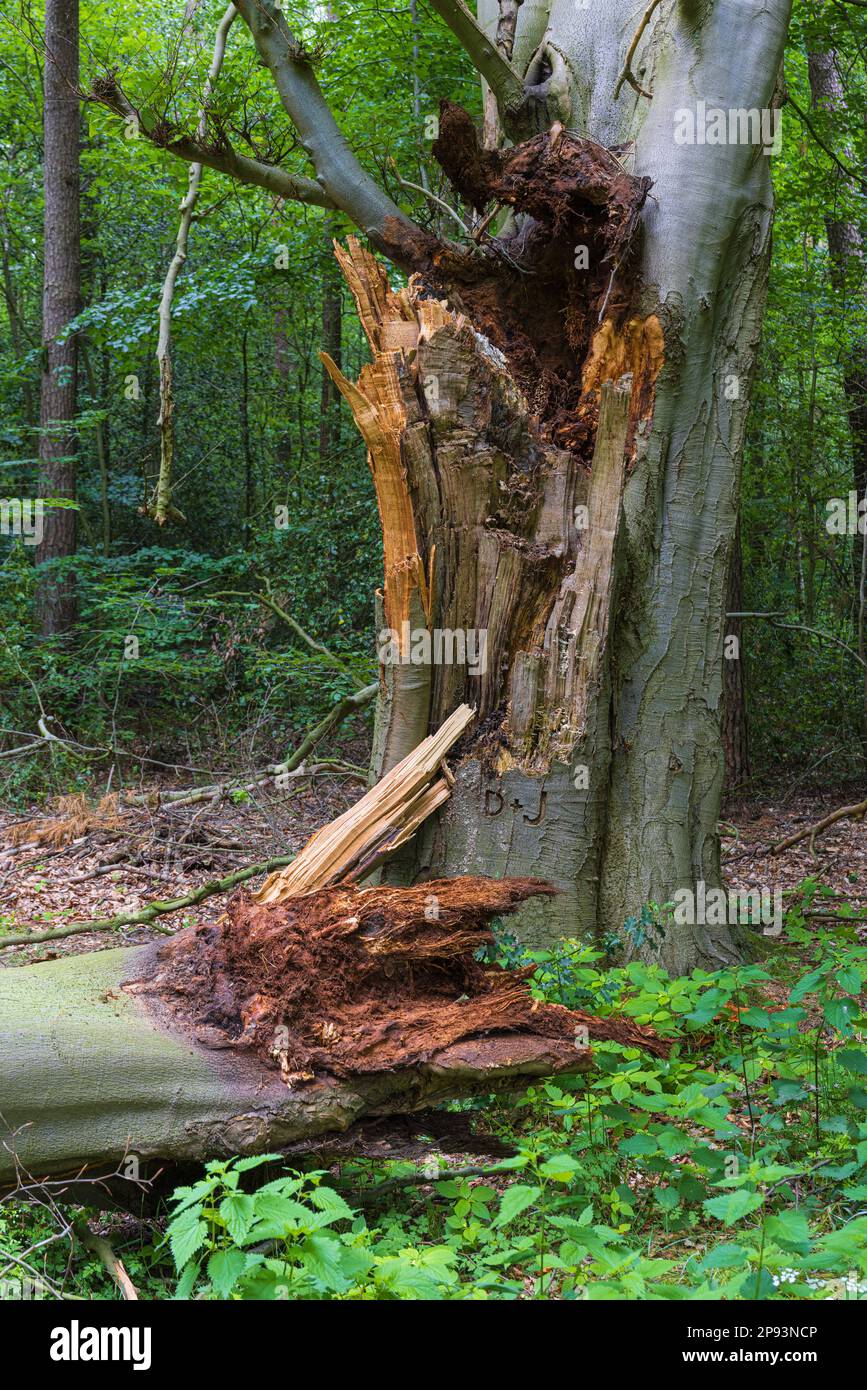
(55, 598)
(735, 729)
(332, 325)
(246, 442)
(17, 330)
(846, 251)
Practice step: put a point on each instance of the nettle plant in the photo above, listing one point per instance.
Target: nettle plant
(735, 1168)
(294, 1238)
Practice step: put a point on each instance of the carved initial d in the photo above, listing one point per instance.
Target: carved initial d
(489, 810)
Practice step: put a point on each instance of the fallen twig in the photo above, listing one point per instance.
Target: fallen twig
(147, 914)
(101, 1247)
(843, 813)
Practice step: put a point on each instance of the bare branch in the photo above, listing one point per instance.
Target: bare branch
(486, 57)
(823, 145)
(627, 74)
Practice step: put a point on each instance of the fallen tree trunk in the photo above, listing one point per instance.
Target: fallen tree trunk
(285, 1021)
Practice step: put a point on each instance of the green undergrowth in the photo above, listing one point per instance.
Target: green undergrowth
(736, 1168)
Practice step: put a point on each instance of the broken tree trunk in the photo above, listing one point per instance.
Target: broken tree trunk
(583, 538)
(286, 1021)
(309, 1005)
(501, 573)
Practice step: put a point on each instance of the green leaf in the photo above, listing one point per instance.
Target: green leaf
(331, 1202)
(237, 1212)
(243, 1165)
(225, 1267)
(667, 1198)
(852, 1059)
(639, 1144)
(187, 1281)
(788, 1228)
(560, 1167)
(186, 1237)
(731, 1206)
(839, 1014)
(725, 1256)
(515, 1200)
(280, 1212)
(320, 1255)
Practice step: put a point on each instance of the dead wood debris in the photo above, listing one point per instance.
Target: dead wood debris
(856, 812)
(347, 981)
(525, 290)
(73, 817)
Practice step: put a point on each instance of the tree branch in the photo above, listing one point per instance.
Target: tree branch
(627, 75)
(805, 119)
(222, 158)
(338, 170)
(856, 812)
(487, 59)
(773, 619)
(147, 914)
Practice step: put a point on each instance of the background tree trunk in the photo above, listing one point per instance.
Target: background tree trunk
(735, 727)
(846, 252)
(332, 335)
(55, 598)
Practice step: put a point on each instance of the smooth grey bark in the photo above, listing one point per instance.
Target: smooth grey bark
(705, 259)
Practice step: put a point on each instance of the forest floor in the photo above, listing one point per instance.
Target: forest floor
(164, 852)
(170, 851)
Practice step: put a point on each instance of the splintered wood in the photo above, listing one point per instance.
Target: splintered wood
(385, 818)
(388, 412)
(353, 982)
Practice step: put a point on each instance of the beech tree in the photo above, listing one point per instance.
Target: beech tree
(555, 414)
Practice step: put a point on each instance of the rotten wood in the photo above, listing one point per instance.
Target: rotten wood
(286, 1022)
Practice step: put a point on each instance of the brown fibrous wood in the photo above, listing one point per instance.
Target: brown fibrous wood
(356, 981)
